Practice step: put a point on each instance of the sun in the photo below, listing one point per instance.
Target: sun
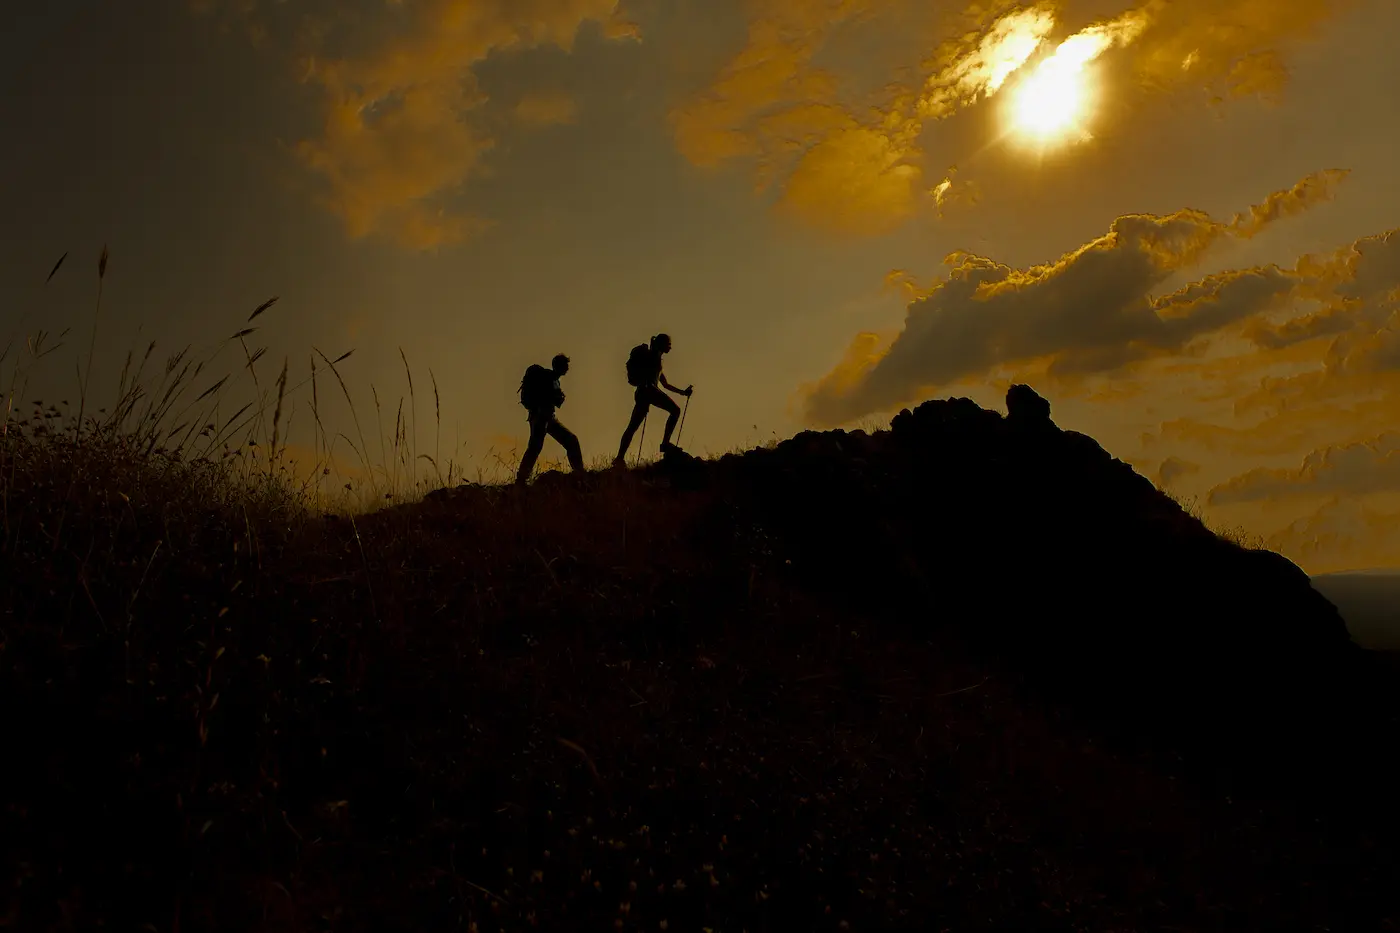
(1052, 102)
(1049, 105)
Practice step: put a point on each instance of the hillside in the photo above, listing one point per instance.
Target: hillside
(967, 673)
(1370, 603)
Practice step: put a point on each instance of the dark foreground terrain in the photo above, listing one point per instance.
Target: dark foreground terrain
(854, 682)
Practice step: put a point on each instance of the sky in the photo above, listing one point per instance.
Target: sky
(1172, 218)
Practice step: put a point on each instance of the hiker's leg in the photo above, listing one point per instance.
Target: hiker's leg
(673, 415)
(639, 414)
(569, 441)
(538, 427)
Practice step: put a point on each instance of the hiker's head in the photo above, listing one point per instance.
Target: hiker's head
(661, 342)
(560, 364)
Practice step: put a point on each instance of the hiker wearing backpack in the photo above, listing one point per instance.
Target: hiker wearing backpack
(541, 395)
(644, 372)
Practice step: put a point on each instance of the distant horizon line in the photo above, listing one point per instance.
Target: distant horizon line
(1369, 571)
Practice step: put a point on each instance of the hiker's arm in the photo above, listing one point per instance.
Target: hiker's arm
(671, 387)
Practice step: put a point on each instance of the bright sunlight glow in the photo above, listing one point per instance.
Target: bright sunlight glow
(1051, 103)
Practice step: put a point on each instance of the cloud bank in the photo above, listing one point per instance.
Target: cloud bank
(403, 128)
(1091, 311)
(1355, 469)
(398, 138)
(1344, 534)
(862, 170)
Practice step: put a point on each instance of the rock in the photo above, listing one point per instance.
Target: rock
(681, 470)
(943, 416)
(674, 456)
(1027, 408)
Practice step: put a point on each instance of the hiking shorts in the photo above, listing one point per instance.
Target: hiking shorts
(651, 395)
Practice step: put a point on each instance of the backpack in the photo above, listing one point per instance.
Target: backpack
(640, 365)
(537, 388)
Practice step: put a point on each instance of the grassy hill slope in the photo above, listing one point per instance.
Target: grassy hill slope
(851, 682)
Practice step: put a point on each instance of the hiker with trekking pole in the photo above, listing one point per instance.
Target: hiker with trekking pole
(644, 372)
(541, 395)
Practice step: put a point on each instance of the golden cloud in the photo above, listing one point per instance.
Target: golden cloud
(1173, 469)
(1203, 42)
(1353, 337)
(977, 69)
(862, 356)
(1343, 534)
(771, 104)
(855, 181)
(1093, 310)
(1249, 441)
(1315, 189)
(398, 139)
(772, 74)
(1362, 468)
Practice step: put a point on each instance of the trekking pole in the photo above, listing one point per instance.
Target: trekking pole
(680, 428)
(642, 443)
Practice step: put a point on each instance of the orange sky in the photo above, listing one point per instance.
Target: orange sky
(829, 204)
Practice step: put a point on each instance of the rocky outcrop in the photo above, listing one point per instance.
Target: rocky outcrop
(1026, 408)
(1041, 547)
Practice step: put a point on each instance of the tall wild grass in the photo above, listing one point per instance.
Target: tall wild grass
(213, 428)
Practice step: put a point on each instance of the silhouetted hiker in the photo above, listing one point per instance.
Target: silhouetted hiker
(644, 372)
(540, 394)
